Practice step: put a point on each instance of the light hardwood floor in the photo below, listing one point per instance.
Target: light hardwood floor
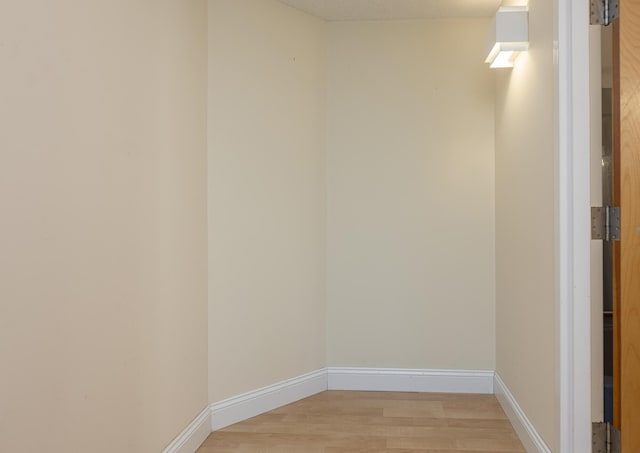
(372, 422)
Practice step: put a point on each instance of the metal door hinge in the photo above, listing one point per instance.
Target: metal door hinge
(614, 440)
(599, 438)
(603, 12)
(605, 223)
(605, 438)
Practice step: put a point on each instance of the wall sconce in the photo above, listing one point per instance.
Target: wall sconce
(508, 36)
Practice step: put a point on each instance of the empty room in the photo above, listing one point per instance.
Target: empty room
(291, 226)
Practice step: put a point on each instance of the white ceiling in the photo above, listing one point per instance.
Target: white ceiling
(337, 10)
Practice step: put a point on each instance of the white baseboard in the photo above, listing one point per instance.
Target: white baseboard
(193, 436)
(256, 402)
(409, 380)
(529, 437)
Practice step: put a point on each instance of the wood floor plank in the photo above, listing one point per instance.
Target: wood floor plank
(397, 422)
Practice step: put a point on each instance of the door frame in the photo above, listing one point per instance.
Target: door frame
(571, 62)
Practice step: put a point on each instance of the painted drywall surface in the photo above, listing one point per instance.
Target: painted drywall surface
(525, 227)
(410, 195)
(266, 199)
(103, 227)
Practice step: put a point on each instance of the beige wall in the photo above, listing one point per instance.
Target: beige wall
(266, 199)
(525, 227)
(103, 225)
(410, 195)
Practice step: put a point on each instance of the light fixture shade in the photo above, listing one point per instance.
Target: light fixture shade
(508, 35)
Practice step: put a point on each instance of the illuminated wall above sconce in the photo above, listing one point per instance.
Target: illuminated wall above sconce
(508, 36)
